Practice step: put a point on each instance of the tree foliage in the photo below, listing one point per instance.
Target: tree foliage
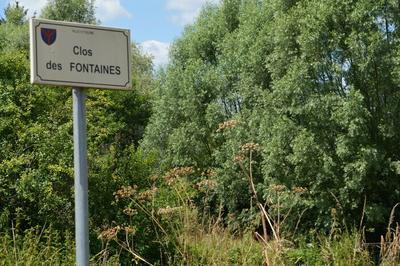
(289, 102)
(36, 166)
(70, 10)
(15, 14)
(314, 83)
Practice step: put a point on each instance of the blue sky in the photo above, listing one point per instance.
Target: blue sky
(154, 24)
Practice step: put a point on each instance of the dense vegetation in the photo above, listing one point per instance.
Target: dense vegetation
(273, 134)
(314, 83)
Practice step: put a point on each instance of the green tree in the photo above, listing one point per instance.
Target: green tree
(36, 162)
(36, 171)
(13, 28)
(71, 10)
(314, 83)
(15, 14)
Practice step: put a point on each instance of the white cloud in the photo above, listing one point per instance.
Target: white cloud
(158, 50)
(105, 9)
(33, 6)
(185, 11)
(110, 9)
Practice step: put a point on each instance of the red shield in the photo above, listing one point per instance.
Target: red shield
(48, 35)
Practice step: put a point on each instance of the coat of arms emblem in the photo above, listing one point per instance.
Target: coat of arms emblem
(48, 35)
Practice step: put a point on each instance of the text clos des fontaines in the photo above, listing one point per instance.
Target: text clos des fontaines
(85, 67)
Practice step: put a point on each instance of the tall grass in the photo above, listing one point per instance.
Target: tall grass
(36, 247)
(212, 244)
(190, 237)
(197, 244)
(390, 243)
(220, 247)
(199, 239)
(339, 248)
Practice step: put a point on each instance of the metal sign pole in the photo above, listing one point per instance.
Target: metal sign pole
(75, 54)
(81, 178)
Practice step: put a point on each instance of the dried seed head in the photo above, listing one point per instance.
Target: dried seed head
(299, 190)
(130, 229)
(109, 233)
(250, 147)
(125, 192)
(168, 210)
(147, 195)
(130, 211)
(206, 184)
(278, 188)
(227, 125)
(238, 158)
(177, 172)
(209, 173)
(154, 178)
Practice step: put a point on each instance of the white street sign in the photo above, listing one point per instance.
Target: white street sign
(79, 55)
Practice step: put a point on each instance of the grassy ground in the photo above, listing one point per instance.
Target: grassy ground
(201, 247)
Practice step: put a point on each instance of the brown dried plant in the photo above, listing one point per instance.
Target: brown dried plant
(227, 125)
(274, 244)
(390, 243)
(125, 192)
(172, 175)
(111, 234)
